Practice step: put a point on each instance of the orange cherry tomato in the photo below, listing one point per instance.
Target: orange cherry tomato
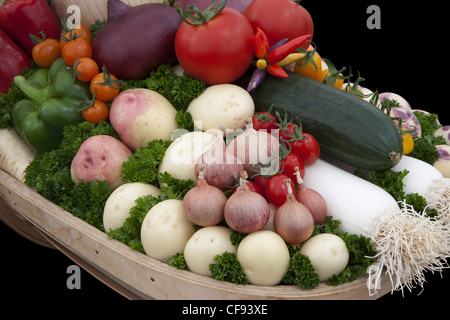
(86, 68)
(105, 86)
(97, 113)
(75, 49)
(81, 33)
(309, 70)
(46, 52)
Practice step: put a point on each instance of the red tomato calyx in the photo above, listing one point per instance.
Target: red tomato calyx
(194, 16)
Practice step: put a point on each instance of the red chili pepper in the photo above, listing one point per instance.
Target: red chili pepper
(19, 18)
(276, 71)
(282, 52)
(261, 44)
(12, 61)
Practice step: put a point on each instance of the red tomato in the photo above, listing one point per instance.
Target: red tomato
(261, 181)
(280, 19)
(277, 190)
(289, 163)
(289, 129)
(220, 51)
(264, 120)
(308, 149)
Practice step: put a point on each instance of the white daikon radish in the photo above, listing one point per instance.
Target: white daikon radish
(427, 181)
(407, 243)
(15, 153)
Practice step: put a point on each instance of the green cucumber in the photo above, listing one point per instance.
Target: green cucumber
(347, 127)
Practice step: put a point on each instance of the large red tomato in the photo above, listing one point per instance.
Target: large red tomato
(219, 51)
(280, 19)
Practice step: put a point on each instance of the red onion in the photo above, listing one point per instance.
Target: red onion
(246, 211)
(204, 205)
(221, 167)
(293, 221)
(258, 150)
(311, 199)
(239, 5)
(136, 40)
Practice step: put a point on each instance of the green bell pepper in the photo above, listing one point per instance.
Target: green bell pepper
(53, 99)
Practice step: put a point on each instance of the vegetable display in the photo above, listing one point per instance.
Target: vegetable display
(161, 128)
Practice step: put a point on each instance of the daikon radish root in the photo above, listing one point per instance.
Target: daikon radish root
(407, 243)
(15, 154)
(427, 181)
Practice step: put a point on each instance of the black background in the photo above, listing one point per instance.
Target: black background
(405, 56)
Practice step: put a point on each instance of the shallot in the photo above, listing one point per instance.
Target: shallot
(204, 204)
(311, 199)
(258, 150)
(293, 221)
(246, 211)
(220, 167)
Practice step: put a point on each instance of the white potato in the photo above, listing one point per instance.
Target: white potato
(225, 105)
(264, 256)
(119, 203)
(207, 242)
(328, 254)
(165, 230)
(179, 159)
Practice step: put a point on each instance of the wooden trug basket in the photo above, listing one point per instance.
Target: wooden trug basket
(133, 274)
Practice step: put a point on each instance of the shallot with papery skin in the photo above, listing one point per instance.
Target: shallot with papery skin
(258, 150)
(246, 211)
(293, 221)
(220, 167)
(311, 199)
(204, 204)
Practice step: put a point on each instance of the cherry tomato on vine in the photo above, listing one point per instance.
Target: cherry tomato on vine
(264, 120)
(86, 68)
(76, 49)
(261, 181)
(83, 32)
(311, 67)
(218, 49)
(97, 113)
(276, 189)
(105, 86)
(289, 163)
(308, 148)
(46, 52)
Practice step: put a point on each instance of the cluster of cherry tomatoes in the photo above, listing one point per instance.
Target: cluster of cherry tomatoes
(74, 46)
(300, 149)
